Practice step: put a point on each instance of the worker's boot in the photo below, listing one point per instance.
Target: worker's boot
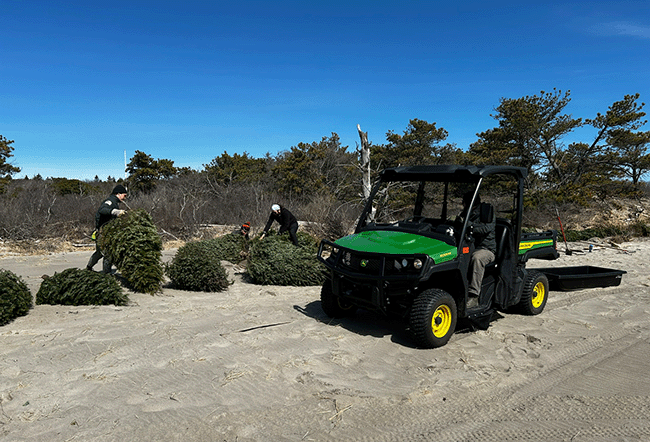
(472, 301)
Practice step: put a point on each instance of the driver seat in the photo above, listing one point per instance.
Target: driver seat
(502, 236)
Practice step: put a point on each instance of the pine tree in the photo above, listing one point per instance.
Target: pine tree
(15, 297)
(135, 247)
(197, 267)
(80, 287)
(276, 261)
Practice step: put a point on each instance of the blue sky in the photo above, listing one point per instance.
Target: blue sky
(83, 81)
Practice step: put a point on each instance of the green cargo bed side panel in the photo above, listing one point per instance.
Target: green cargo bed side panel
(399, 243)
(525, 246)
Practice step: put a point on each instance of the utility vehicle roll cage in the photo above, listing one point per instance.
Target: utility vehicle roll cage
(446, 174)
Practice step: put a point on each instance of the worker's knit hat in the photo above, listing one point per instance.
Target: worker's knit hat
(119, 189)
(275, 207)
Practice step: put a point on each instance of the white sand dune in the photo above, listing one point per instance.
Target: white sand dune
(263, 363)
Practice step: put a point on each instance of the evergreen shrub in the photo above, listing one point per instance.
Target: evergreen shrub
(229, 247)
(276, 261)
(15, 297)
(135, 247)
(80, 287)
(197, 267)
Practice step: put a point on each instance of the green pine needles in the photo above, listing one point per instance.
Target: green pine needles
(135, 247)
(81, 287)
(276, 261)
(272, 261)
(15, 297)
(197, 267)
(230, 246)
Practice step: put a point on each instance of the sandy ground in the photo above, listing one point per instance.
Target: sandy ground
(263, 363)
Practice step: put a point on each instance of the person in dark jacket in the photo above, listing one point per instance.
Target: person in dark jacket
(286, 220)
(484, 233)
(109, 209)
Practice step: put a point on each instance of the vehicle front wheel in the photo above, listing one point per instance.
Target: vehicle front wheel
(433, 318)
(535, 293)
(332, 305)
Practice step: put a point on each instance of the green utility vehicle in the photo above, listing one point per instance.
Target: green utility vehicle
(408, 257)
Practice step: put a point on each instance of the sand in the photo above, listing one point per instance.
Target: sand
(263, 363)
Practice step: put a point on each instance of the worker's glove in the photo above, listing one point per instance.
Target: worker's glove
(118, 212)
(262, 236)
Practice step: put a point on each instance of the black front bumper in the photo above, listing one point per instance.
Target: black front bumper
(371, 280)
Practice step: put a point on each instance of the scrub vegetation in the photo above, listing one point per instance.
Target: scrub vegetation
(321, 181)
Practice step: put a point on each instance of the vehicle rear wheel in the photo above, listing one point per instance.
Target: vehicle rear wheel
(332, 305)
(535, 293)
(433, 318)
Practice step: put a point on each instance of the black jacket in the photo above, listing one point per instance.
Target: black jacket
(104, 213)
(484, 232)
(285, 219)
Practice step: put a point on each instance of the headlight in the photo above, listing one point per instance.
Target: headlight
(417, 264)
(405, 263)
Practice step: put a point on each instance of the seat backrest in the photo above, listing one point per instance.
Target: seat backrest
(502, 238)
(486, 212)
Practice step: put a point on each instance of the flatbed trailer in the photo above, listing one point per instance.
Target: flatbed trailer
(581, 277)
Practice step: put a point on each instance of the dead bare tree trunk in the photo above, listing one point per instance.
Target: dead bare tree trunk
(364, 163)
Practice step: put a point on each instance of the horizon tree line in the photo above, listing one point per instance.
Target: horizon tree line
(324, 179)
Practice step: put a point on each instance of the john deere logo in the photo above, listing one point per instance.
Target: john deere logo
(364, 262)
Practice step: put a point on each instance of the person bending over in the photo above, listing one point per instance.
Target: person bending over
(286, 220)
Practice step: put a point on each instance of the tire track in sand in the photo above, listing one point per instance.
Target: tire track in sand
(543, 407)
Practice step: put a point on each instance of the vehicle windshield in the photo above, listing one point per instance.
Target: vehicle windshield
(400, 201)
(435, 203)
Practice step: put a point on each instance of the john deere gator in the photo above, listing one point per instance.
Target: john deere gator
(408, 256)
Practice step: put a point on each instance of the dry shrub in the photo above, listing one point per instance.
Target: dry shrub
(330, 219)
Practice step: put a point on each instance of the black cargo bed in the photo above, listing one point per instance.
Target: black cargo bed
(581, 277)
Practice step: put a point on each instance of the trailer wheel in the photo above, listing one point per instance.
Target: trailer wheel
(433, 318)
(535, 293)
(332, 305)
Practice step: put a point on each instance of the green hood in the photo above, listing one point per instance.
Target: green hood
(398, 243)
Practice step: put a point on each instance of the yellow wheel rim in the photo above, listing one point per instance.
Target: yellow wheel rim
(441, 321)
(344, 305)
(539, 293)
